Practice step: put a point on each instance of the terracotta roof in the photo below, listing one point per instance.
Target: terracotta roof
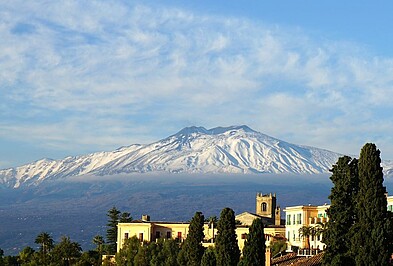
(290, 257)
(311, 261)
(294, 260)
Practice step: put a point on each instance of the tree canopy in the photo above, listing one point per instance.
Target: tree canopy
(227, 249)
(254, 246)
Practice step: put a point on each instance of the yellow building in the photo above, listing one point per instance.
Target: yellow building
(146, 230)
(299, 216)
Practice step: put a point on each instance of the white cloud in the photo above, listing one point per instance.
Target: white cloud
(113, 71)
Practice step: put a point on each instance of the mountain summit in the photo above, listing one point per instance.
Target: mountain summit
(234, 149)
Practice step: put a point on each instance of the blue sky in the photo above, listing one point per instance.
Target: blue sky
(84, 76)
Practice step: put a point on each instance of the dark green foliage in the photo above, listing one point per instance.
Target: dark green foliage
(142, 258)
(45, 240)
(192, 246)
(305, 232)
(170, 250)
(125, 217)
(341, 213)
(10, 261)
(371, 244)
(1, 256)
(254, 246)
(164, 252)
(227, 249)
(161, 253)
(114, 217)
(127, 254)
(26, 255)
(277, 246)
(89, 258)
(99, 242)
(181, 257)
(209, 257)
(111, 232)
(66, 252)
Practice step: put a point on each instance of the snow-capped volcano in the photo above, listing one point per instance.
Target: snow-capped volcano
(235, 149)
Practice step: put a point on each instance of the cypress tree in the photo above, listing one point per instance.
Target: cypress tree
(341, 212)
(227, 249)
(371, 241)
(192, 247)
(254, 247)
(209, 257)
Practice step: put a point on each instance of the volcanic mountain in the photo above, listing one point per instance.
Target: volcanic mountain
(235, 149)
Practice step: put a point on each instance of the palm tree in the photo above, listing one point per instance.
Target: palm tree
(212, 223)
(66, 251)
(305, 232)
(46, 242)
(318, 230)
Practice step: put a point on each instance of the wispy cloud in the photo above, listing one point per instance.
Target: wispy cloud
(110, 73)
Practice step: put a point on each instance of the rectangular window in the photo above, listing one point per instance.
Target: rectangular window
(168, 234)
(179, 235)
(126, 236)
(289, 235)
(158, 234)
(299, 218)
(293, 219)
(288, 219)
(141, 237)
(244, 236)
(294, 235)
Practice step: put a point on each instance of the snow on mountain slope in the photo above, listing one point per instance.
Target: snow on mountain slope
(236, 149)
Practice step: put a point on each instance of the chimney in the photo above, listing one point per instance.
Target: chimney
(145, 218)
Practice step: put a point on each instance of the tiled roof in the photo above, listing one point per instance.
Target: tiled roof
(311, 261)
(294, 260)
(290, 257)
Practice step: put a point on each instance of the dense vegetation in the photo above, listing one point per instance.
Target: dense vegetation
(359, 230)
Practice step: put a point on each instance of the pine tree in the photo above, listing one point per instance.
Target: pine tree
(192, 246)
(341, 212)
(254, 247)
(371, 241)
(125, 217)
(111, 232)
(227, 249)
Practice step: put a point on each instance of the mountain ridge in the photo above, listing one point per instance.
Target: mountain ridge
(233, 149)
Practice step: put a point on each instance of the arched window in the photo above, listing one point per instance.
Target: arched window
(264, 206)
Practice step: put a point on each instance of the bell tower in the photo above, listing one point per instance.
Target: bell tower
(266, 205)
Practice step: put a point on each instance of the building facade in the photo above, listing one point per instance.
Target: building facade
(266, 209)
(304, 216)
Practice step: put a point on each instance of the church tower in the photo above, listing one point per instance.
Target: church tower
(266, 206)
